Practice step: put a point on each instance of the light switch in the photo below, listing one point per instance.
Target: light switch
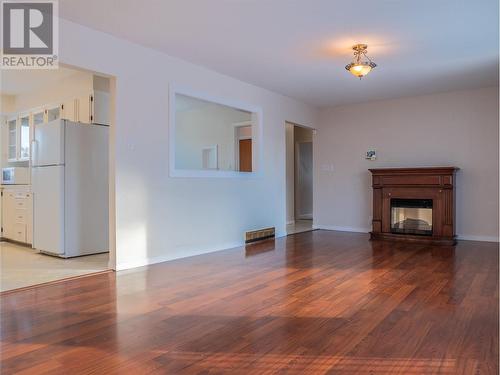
(327, 167)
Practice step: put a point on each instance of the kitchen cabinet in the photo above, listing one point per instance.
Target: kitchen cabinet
(84, 109)
(24, 138)
(93, 108)
(101, 108)
(12, 139)
(38, 117)
(17, 214)
(69, 110)
(53, 113)
(18, 141)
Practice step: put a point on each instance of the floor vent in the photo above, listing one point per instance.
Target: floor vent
(259, 235)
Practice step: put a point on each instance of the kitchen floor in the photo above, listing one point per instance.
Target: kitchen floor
(22, 266)
(299, 226)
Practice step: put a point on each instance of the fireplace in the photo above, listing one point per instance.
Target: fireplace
(414, 204)
(411, 216)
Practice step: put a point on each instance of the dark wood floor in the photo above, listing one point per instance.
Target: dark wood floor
(318, 302)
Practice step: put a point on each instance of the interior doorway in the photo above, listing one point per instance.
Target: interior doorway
(299, 178)
(56, 154)
(243, 146)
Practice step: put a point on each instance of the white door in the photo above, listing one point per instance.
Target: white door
(48, 209)
(48, 144)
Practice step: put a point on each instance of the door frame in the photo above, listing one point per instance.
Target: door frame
(286, 177)
(237, 138)
(297, 207)
(111, 160)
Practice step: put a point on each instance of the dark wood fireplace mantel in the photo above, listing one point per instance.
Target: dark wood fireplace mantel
(430, 183)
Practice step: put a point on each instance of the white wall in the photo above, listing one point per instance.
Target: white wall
(157, 217)
(7, 103)
(458, 128)
(74, 86)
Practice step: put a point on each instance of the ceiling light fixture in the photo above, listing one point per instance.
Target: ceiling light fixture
(361, 64)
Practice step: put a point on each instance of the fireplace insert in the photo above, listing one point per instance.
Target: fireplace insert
(411, 216)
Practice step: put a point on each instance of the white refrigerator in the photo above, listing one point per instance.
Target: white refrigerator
(70, 188)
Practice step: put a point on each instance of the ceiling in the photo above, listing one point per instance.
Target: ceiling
(15, 82)
(300, 48)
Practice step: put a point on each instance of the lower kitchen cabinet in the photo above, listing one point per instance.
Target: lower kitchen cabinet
(17, 214)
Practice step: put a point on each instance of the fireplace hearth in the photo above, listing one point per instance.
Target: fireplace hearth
(414, 204)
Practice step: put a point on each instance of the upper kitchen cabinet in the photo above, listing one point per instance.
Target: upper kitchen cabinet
(24, 137)
(18, 148)
(69, 110)
(53, 113)
(38, 116)
(94, 108)
(12, 139)
(84, 109)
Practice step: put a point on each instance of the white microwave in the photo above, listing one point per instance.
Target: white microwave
(15, 176)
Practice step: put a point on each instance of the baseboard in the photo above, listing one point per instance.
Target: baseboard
(463, 237)
(467, 237)
(25, 244)
(186, 254)
(341, 228)
(121, 266)
(48, 283)
(306, 217)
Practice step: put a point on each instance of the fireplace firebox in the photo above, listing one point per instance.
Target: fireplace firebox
(414, 204)
(411, 216)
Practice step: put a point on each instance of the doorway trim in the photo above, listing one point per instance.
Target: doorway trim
(111, 161)
(288, 195)
(297, 214)
(237, 138)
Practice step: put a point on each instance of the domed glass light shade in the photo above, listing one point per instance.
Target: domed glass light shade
(361, 64)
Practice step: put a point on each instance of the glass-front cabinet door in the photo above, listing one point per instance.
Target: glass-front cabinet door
(38, 117)
(12, 138)
(53, 113)
(24, 137)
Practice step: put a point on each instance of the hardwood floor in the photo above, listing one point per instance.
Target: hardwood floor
(314, 303)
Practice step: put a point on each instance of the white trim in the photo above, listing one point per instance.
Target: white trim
(242, 124)
(214, 148)
(185, 254)
(341, 228)
(258, 126)
(308, 216)
(466, 237)
(290, 222)
(165, 258)
(462, 237)
(237, 139)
